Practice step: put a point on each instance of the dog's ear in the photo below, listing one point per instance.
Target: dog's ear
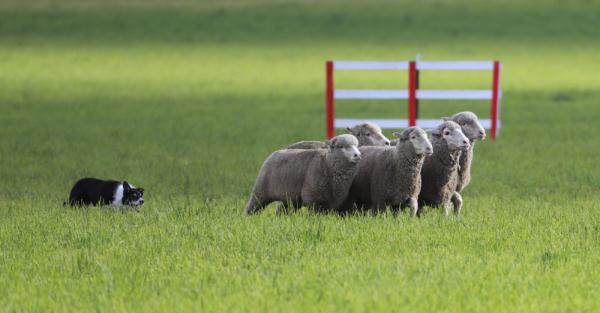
(126, 186)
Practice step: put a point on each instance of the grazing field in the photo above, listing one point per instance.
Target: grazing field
(187, 99)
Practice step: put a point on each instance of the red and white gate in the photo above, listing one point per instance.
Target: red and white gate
(413, 93)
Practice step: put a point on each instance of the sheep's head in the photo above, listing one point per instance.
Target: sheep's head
(451, 132)
(368, 134)
(469, 123)
(345, 146)
(418, 138)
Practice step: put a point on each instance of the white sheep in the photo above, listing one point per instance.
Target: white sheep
(368, 134)
(316, 178)
(470, 126)
(439, 174)
(391, 176)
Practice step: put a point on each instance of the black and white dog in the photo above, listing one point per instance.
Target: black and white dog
(93, 191)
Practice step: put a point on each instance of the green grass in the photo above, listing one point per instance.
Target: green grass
(187, 100)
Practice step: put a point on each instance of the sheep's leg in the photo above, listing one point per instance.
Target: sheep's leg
(413, 206)
(457, 201)
(283, 208)
(344, 211)
(446, 208)
(378, 207)
(321, 208)
(287, 207)
(255, 204)
(421, 207)
(350, 208)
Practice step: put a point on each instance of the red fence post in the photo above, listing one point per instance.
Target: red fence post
(329, 105)
(412, 93)
(494, 109)
(417, 79)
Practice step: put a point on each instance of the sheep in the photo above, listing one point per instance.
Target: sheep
(470, 126)
(308, 144)
(439, 174)
(368, 134)
(317, 178)
(391, 176)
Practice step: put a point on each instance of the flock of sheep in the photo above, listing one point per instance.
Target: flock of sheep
(363, 170)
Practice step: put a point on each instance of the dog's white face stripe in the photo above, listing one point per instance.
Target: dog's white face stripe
(137, 202)
(118, 197)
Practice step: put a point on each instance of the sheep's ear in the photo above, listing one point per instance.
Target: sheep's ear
(446, 119)
(436, 133)
(401, 136)
(330, 143)
(350, 130)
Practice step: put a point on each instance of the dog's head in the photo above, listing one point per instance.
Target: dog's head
(132, 195)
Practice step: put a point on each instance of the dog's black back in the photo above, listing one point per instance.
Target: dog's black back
(93, 191)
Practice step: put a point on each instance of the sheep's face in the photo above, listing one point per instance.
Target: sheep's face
(351, 153)
(421, 143)
(453, 135)
(369, 134)
(418, 138)
(469, 123)
(345, 146)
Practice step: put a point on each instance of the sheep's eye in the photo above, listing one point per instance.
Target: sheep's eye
(368, 134)
(446, 133)
(413, 137)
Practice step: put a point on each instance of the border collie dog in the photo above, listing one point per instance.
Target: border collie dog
(93, 191)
